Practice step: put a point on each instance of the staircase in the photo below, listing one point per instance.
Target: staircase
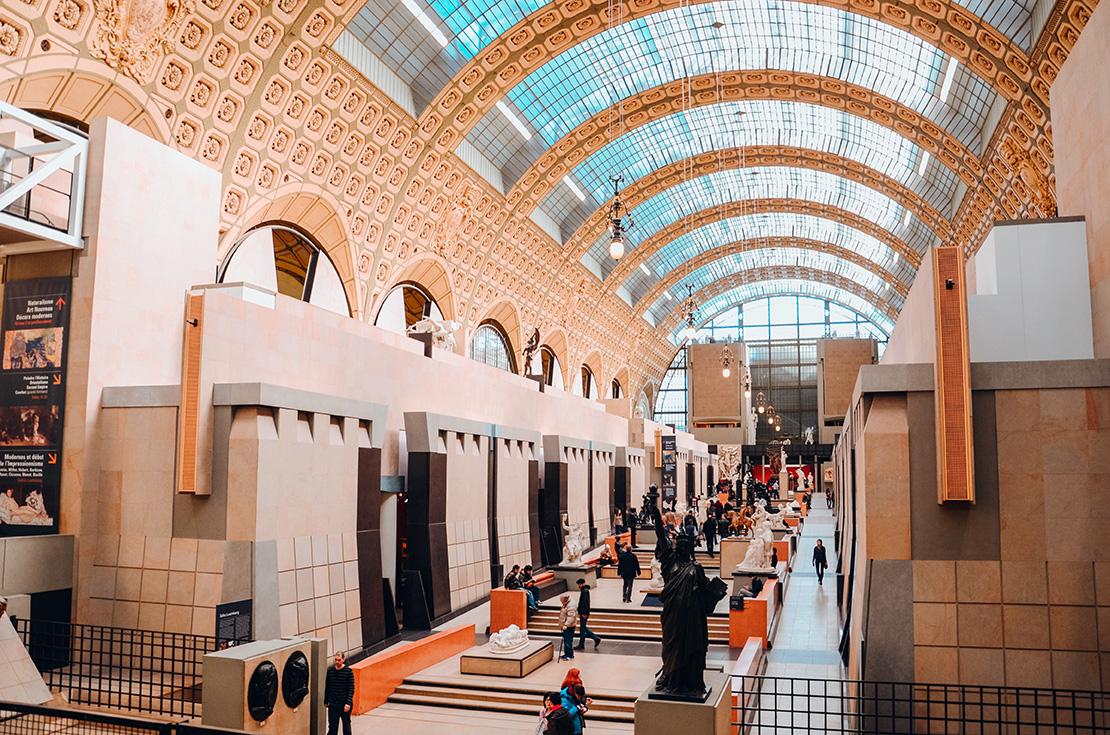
(496, 695)
(632, 625)
(645, 555)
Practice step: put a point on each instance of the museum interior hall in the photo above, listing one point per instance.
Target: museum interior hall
(498, 367)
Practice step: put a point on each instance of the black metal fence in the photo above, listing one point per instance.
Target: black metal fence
(119, 668)
(23, 719)
(763, 705)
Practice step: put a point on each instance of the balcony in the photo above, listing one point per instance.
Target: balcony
(42, 183)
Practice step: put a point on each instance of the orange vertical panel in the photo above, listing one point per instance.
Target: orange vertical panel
(956, 470)
(188, 413)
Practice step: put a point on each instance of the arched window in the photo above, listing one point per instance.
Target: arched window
(587, 385)
(549, 367)
(282, 259)
(404, 306)
(490, 345)
(615, 389)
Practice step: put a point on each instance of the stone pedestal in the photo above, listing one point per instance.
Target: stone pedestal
(668, 717)
(574, 573)
(784, 485)
(516, 665)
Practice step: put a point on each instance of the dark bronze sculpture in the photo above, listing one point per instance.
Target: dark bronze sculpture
(530, 349)
(688, 599)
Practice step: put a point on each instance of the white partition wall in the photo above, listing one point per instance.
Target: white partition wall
(602, 457)
(515, 462)
(467, 516)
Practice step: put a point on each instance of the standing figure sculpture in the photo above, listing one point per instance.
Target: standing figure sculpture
(688, 598)
(529, 350)
(575, 543)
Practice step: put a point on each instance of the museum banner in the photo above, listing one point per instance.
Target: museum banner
(669, 475)
(32, 403)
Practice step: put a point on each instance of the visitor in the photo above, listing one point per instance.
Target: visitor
(606, 559)
(633, 521)
(690, 524)
(583, 616)
(774, 557)
(709, 528)
(628, 568)
(723, 530)
(618, 523)
(554, 720)
(514, 580)
(753, 589)
(572, 695)
(829, 499)
(568, 621)
(339, 694)
(820, 561)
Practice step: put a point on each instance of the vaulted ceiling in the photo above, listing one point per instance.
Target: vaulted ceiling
(766, 146)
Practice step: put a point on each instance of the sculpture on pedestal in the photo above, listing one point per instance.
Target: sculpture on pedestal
(758, 557)
(442, 331)
(574, 545)
(508, 640)
(688, 599)
(530, 349)
(656, 584)
(808, 435)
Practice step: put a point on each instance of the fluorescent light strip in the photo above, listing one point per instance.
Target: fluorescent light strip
(668, 295)
(516, 121)
(924, 163)
(949, 76)
(425, 20)
(574, 188)
(906, 219)
(645, 269)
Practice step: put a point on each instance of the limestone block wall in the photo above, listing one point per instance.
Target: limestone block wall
(318, 588)
(514, 467)
(602, 490)
(1013, 590)
(468, 566)
(578, 480)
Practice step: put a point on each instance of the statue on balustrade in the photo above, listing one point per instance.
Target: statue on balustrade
(529, 350)
(688, 598)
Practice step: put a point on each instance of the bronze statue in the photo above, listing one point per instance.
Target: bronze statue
(688, 599)
(530, 349)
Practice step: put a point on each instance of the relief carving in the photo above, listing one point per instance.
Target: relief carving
(132, 34)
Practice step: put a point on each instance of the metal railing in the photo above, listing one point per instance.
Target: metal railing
(763, 705)
(25, 719)
(119, 668)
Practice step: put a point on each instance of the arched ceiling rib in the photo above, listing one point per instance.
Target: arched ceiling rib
(864, 301)
(764, 289)
(772, 251)
(649, 254)
(646, 112)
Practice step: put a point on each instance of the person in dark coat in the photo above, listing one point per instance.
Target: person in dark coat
(628, 568)
(820, 561)
(584, 615)
(709, 528)
(557, 721)
(339, 694)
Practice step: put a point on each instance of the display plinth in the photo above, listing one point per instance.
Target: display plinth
(670, 716)
(574, 573)
(733, 551)
(516, 665)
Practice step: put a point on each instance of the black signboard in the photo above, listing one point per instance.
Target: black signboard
(669, 475)
(34, 338)
(233, 623)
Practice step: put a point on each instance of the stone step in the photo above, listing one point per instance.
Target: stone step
(494, 697)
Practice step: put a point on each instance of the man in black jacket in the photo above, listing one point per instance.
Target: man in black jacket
(709, 528)
(628, 568)
(583, 615)
(339, 695)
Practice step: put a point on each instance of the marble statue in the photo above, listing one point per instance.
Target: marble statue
(758, 557)
(508, 640)
(442, 331)
(656, 583)
(688, 598)
(808, 434)
(574, 545)
(530, 349)
(782, 456)
(803, 481)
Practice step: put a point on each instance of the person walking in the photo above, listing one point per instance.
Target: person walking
(583, 616)
(554, 720)
(574, 699)
(709, 528)
(628, 568)
(568, 620)
(339, 694)
(829, 499)
(820, 561)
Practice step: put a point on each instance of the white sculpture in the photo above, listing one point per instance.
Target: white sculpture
(574, 545)
(508, 640)
(782, 456)
(803, 481)
(808, 434)
(758, 557)
(442, 331)
(656, 583)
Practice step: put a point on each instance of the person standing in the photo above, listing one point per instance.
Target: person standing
(628, 568)
(820, 561)
(339, 694)
(633, 522)
(709, 528)
(829, 499)
(568, 620)
(554, 720)
(583, 616)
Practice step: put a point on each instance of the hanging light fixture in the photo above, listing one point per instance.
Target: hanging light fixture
(760, 403)
(726, 361)
(617, 224)
(747, 383)
(689, 314)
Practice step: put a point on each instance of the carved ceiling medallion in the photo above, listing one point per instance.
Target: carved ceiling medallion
(132, 34)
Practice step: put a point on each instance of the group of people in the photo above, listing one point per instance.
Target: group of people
(564, 711)
(522, 579)
(576, 616)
